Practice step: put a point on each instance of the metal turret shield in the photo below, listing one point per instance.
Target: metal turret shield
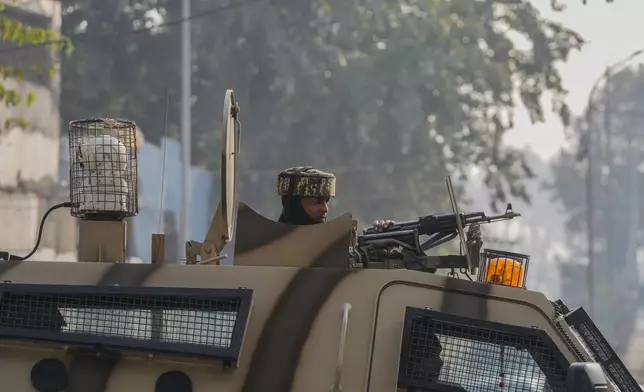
(220, 231)
(229, 151)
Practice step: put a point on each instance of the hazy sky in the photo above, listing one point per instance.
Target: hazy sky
(613, 32)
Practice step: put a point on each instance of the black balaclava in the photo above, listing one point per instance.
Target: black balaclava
(293, 213)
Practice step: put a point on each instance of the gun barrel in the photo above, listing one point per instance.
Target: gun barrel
(494, 218)
(439, 222)
(391, 234)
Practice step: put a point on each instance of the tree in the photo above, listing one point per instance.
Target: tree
(618, 149)
(18, 34)
(391, 96)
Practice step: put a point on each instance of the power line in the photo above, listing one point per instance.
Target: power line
(133, 32)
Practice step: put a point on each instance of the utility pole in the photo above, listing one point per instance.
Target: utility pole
(597, 161)
(590, 208)
(186, 123)
(590, 191)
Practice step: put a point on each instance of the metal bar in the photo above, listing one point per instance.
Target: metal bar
(186, 95)
(459, 224)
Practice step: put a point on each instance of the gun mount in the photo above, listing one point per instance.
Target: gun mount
(290, 314)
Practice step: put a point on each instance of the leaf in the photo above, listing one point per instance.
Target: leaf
(31, 97)
(15, 32)
(16, 122)
(326, 6)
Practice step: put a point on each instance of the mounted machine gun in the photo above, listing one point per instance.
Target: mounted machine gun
(401, 242)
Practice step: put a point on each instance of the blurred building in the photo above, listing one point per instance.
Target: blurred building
(30, 156)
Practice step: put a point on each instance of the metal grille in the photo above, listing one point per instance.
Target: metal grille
(594, 342)
(503, 268)
(446, 355)
(171, 319)
(103, 168)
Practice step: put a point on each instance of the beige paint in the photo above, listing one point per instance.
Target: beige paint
(396, 288)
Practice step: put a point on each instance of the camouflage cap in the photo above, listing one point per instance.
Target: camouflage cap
(305, 181)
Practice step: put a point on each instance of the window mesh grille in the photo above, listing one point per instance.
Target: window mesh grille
(207, 322)
(451, 355)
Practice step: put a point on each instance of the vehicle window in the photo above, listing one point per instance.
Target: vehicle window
(447, 352)
(481, 367)
(208, 328)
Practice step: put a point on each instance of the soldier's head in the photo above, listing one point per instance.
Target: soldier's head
(305, 193)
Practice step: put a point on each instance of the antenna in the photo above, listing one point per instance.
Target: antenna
(161, 229)
(158, 239)
(459, 224)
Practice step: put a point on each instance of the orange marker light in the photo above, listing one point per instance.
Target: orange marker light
(504, 271)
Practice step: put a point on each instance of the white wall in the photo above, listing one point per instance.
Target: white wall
(29, 161)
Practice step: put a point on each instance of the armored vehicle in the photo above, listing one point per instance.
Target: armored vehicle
(314, 308)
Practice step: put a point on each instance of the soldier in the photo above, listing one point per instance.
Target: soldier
(305, 193)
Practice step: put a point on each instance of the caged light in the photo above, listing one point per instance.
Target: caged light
(103, 169)
(504, 268)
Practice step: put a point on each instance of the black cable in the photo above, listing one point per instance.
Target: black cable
(8, 256)
(132, 32)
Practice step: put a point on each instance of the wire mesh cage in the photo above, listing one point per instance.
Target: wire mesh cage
(103, 167)
(503, 268)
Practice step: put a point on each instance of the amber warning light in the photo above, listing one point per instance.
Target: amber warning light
(503, 268)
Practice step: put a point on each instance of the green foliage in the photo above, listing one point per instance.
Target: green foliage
(17, 33)
(390, 96)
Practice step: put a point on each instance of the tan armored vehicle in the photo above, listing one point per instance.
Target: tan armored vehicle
(313, 308)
